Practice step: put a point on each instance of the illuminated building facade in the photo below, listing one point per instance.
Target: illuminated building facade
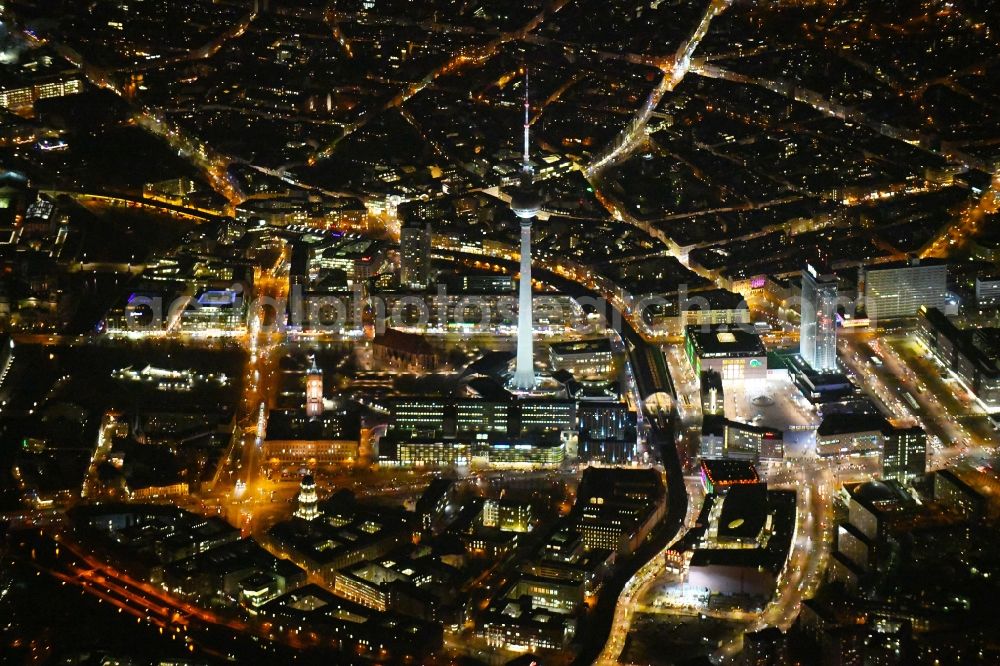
(675, 312)
(616, 508)
(584, 359)
(507, 515)
(844, 435)
(748, 441)
(215, 311)
(26, 96)
(340, 213)
(293, 437)
(973, 355)
(434, 452)
(733, 353)
(518, 625)
(988, 291)
(525, 453)
(314, 390)
(546, 415)
(905, 454)
(818, 330)
(900, 289)
(415, 256)
(307, 508)
(309, 451)
(436, 417)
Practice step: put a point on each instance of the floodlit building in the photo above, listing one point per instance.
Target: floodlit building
(311, 212)
(433, 452)
(745, 440)
(308, 509)
(732, 352)
(899, 289)
(525, 453)
(851, 435)
(674, 313)
(346, 533)
(818, 331)
(314, 390)
(584, 359)
(293, 437)
(214, 310)
(725, 439)
(24, 97)
(607, 431)
(519, 624)
(740, 544)
(507, 515)
(987, 291)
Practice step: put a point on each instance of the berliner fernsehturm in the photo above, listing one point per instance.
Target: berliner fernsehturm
(525, 202)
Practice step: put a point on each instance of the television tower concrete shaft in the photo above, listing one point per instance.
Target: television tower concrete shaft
(525, 203)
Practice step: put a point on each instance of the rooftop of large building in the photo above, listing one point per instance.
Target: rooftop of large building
(880, 496)
(403, 342)
(294, 425)
(609, 482)
(724, 340)
(907, 263)
(721, 472)
(845, 424)
(708, 299)
(960, 483)
(575, 347)
(744, 511)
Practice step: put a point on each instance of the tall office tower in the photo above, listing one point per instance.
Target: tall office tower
(905, 454)
(900, 288)
(314, 391)
(415, 256)
(818, 333)
(526, 203)
(308, 509)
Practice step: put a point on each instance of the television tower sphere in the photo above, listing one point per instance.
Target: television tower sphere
(525, 200)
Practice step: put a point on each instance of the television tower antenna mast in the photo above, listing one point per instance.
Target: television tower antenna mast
(526, 163)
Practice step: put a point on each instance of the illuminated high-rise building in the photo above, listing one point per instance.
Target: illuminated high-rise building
(900, 288)
(905, 454)
(525, 202)
(314, 391)
(818, 333)
(308, 508)
(415, 256)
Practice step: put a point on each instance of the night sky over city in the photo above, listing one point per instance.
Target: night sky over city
(486, 333)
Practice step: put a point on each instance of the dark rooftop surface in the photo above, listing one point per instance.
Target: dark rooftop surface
(723, 340)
